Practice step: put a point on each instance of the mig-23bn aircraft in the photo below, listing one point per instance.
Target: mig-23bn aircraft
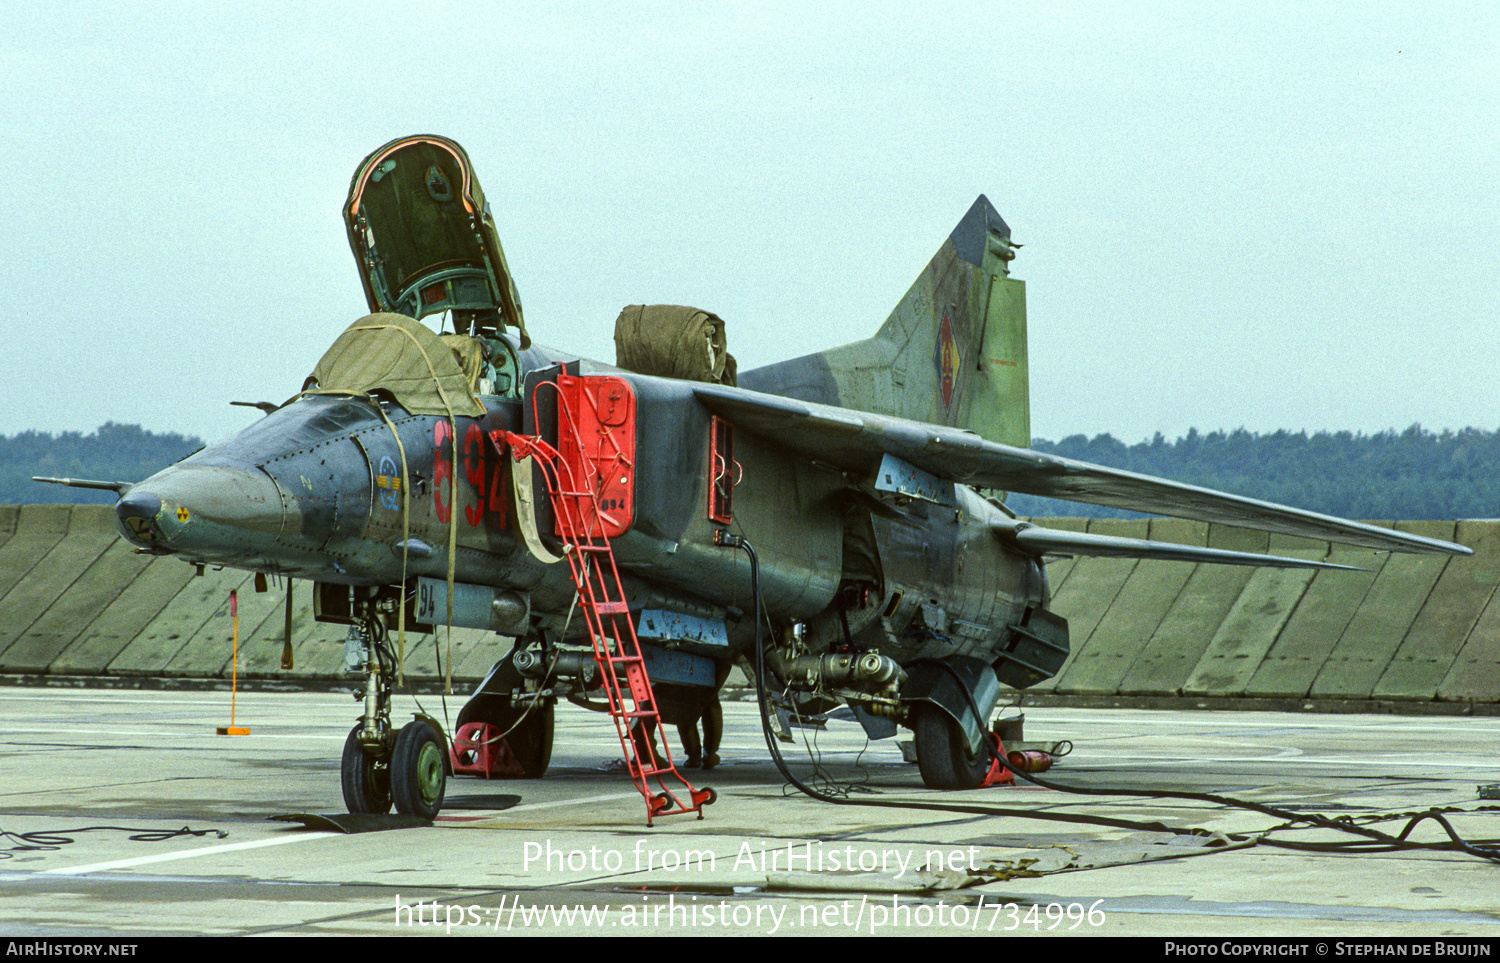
(846, 506)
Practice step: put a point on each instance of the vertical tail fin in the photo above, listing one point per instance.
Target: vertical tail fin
(953, 352)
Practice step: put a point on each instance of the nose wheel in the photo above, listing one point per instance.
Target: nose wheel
(366, 777)
(419, 774)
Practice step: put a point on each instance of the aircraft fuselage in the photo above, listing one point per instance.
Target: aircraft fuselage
(355, 491)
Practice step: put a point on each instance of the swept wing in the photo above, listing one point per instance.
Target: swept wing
(856, 440)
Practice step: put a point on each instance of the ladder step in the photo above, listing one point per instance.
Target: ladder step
(611, 608)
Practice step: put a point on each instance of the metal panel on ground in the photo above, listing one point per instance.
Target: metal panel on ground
(430, 652)
(483, 651)
(76, 609)
(317, 647)
(1253, 624)
(1452, 610)
(179, 620)
(124, 618)
(1140, 606)
(1384, 617)
(38, 529)
(209, 650)
(1474, 675)
(1326, 610)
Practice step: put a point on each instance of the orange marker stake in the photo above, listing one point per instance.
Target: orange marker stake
(234, 671)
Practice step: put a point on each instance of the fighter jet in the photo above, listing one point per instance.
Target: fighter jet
(639, 528)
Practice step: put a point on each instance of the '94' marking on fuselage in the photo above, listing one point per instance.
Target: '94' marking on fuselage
(481, 472)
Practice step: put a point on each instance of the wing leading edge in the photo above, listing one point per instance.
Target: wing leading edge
(856, 440)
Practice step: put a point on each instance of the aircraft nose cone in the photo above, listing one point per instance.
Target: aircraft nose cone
(136, 513)
(213, 513)
(138, 505)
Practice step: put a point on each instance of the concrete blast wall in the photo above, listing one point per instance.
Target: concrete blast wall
(76, 600)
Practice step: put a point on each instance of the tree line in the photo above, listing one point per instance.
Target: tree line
(111, 452)
(1411, 474)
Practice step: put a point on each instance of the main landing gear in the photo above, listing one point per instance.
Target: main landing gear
(951, 699)
(380, 767)
(521, 717)
(943, 754)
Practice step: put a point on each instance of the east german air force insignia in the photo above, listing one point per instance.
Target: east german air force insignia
(947, 360)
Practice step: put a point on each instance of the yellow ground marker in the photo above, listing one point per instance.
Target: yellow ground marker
(234, 672)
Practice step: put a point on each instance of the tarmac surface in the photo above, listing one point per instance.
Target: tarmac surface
(571, 854)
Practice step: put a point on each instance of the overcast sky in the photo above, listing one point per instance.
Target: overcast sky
(1258, 215)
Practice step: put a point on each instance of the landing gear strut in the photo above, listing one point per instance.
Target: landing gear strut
(381, 767)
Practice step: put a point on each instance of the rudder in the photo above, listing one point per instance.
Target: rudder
(953, 351)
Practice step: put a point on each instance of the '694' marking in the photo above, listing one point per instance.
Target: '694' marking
(482, 472)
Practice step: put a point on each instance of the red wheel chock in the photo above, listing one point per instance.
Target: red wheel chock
(479, 750)
(998, 775)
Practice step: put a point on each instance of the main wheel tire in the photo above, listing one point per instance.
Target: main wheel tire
(366, 779)
(943, 752)
(531, 742)
(419, 770)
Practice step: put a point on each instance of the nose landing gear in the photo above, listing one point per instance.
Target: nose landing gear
(365, 776)
(379, 768)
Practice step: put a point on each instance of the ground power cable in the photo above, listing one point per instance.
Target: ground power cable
(1373, 837)
(53, 839)
(1292, 817)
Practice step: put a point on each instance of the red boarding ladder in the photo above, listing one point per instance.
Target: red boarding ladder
(581, 524)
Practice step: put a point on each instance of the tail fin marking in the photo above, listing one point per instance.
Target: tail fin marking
(953, 352)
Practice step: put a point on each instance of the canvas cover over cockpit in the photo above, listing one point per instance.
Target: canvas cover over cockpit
(401, 356)
(424, 239)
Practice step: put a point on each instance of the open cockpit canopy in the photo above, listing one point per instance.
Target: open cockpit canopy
(424, 240)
